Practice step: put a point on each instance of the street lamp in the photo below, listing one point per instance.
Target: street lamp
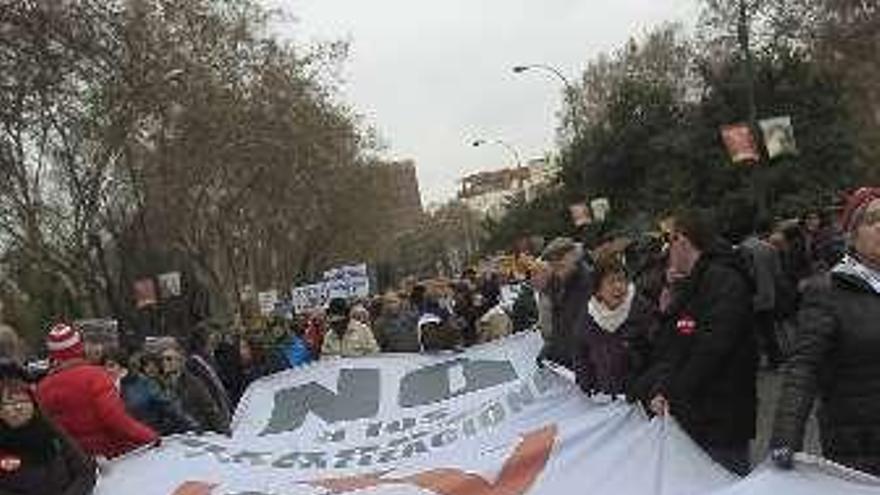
(570, 91)
(480, 142)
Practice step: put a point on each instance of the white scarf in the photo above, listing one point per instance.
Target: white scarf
(611, 319)
(855, 268)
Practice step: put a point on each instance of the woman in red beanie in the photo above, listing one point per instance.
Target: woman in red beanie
(837, 355)
(83, 400)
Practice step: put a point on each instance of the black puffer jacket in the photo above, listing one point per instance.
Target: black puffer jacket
(837, 359)
(706, 364)
(569, 301)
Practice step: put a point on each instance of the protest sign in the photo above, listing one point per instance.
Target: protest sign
(778, 136)
(309, 297)
(267, 301)
(169, 285)
(349, 281)
(740, 143)
(145, 293)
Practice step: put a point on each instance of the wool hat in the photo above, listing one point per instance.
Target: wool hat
(558, 248)
(855, 207)
(64, 343)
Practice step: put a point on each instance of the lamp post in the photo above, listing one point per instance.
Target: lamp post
(516, 157)
(570, 91)
(522, 174)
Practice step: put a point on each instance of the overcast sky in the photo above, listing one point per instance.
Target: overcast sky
(433, 75)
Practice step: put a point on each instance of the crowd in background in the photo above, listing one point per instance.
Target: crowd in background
(676, 321)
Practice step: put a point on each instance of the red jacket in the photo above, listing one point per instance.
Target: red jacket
(83, 400)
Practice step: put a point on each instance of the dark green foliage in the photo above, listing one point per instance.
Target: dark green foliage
(652, 142)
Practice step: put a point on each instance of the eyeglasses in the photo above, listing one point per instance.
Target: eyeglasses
(15, 401)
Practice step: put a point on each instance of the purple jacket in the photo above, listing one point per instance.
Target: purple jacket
(610, 363)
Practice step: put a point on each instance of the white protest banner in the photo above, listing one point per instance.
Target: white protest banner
(348, 281)
(487, 421)
(309, 297)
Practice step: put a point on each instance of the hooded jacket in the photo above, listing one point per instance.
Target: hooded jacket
(835, 360)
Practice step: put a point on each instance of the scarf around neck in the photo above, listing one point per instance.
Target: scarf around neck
(611, 319)
(851, 266)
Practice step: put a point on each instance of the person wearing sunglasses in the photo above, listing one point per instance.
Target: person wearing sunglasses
(36, 458)
(836, 358)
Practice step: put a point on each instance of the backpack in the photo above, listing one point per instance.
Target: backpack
(785, 292)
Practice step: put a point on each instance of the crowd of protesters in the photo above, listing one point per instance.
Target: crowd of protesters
(677, 322)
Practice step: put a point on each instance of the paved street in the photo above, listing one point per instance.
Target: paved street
(768, 395)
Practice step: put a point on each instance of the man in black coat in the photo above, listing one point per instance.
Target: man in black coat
(707, 363)
(570, 289)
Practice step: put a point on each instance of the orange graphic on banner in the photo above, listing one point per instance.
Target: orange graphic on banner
(517, 476)
(519, 473)
(194, 488)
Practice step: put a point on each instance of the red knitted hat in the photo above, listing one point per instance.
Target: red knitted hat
(64, 343)
(856, 205)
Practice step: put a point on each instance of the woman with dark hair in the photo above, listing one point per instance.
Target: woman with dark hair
(613, 350)
(36, 458)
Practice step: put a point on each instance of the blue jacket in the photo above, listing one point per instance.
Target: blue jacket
(146, 401)
(297, 352)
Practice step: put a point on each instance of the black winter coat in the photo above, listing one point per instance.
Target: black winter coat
(569, 301)
(837, 359)
(197, 402)
(707, 358)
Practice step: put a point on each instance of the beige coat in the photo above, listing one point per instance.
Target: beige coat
(495, 324)
(357, 341)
